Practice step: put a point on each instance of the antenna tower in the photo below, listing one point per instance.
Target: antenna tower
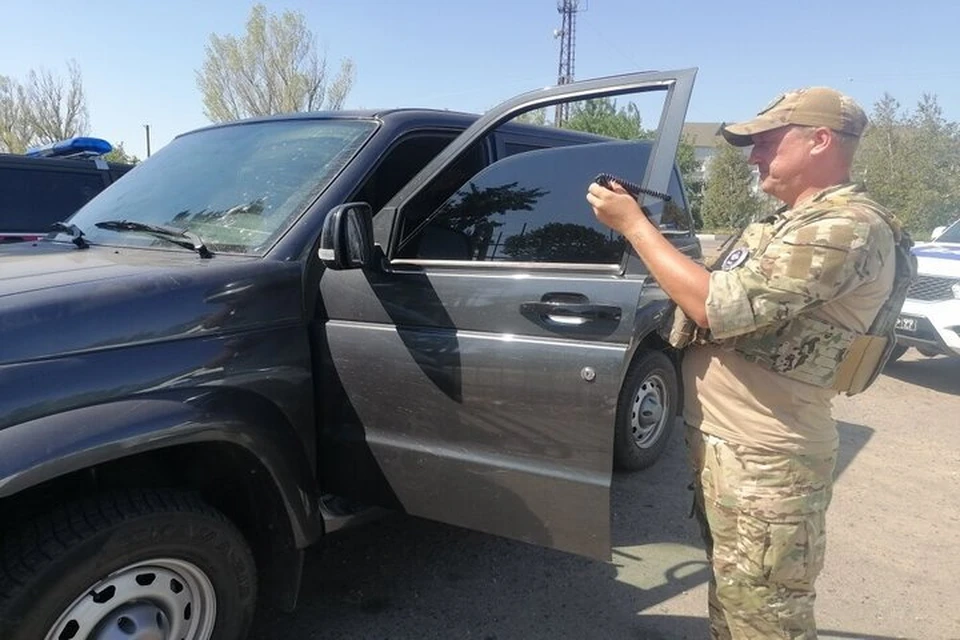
(567, 35)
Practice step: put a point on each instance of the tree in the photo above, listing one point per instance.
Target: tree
(728, 199)
(56, 110)
(910, 163)
(15, 132)
(537, 116)
(120, 155)
(273, 68)
(43, 109)
(603, 117)
(692, 177)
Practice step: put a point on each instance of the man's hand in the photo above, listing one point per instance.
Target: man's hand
(687, 282)
(615, 208)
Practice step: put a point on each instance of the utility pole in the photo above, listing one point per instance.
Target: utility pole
(147, 127)
(567, 35)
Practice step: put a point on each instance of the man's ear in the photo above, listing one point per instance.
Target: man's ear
(822, 139)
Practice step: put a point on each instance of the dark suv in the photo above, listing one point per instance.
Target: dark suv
(270, 325)
(48, 185)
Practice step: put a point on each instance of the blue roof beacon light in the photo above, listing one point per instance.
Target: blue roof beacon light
(78, 146)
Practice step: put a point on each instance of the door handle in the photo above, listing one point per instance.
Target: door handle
(570, 313)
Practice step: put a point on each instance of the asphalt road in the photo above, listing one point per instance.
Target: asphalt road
(893, 563)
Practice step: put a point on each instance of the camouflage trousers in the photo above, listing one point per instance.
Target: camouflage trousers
(762, 516)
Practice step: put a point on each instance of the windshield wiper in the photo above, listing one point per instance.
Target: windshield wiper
(180, 237)
(76, 235)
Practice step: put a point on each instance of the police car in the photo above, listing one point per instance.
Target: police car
(930, 319)
(48, 184)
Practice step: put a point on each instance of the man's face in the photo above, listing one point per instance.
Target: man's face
(782, 156)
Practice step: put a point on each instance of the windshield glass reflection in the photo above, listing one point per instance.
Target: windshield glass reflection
(238, 187)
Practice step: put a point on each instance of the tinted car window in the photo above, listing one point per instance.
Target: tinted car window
(401, 163)
(238, 187)
(33, 199)
(514, 148)
(532, 208)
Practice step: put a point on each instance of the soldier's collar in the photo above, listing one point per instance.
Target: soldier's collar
(831, 191)
(820, 196)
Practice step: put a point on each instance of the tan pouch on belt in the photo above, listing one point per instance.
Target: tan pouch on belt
(862, 363)
(682, 329)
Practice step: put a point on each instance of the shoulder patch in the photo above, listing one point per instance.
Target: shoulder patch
(735, 259)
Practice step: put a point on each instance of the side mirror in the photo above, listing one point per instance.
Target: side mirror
(346, 241)
(937, 233)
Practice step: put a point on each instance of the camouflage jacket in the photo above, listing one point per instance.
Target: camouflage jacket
(784, 268)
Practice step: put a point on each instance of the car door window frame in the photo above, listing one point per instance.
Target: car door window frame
(677, 86)
(432, 132)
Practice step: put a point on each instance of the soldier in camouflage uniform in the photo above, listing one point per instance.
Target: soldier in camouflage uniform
(779, 327)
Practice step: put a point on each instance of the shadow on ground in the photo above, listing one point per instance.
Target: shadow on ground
(405, 578)
(940, 374)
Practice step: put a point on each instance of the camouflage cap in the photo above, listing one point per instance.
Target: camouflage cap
(812, 107)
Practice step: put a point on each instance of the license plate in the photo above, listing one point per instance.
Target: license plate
(907, 324)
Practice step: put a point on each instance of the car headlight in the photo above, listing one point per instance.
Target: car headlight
(956, 290)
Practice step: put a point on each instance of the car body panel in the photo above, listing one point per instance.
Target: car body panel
(112, 333)
(37, 450)
(477, 408)
(930, 318)
(39, 191)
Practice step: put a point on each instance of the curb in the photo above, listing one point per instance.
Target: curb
(711, 237)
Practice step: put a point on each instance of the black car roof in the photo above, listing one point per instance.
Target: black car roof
(415, 117)
(10, 159)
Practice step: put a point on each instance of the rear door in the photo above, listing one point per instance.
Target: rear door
(481, 365)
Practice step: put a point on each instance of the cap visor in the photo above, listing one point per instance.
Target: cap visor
(737, 139)
(741, 135)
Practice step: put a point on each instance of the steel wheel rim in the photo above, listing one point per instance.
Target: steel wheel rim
(648, 416)
(157, 599)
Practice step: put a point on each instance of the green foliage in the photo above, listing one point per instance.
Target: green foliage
(603, 117)
(728, 198)
(537, 116)
(273, 68)
(120, 155)
(910, 163)
(692, 179)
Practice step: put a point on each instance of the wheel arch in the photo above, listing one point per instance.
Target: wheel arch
(649, 320)
(237, 452)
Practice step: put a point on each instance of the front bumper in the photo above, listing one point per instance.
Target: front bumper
(936, 326)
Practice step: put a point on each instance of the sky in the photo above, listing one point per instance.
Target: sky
(139, 59)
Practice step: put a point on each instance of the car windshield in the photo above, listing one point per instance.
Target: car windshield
(238, 187)
(952, 234)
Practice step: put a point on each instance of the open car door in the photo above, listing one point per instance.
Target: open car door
(481, 362)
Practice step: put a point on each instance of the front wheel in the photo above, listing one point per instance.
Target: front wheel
(140, 564)
(646, 411)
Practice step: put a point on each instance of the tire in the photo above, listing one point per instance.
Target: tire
(897, 352)
(646, 411)
(125, 565)
(928, 353)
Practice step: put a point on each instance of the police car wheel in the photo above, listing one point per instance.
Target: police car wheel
(132, 565)
(646, 411)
